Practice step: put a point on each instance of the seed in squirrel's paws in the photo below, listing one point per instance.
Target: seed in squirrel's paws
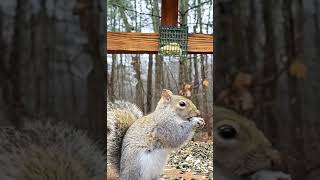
(196, 118)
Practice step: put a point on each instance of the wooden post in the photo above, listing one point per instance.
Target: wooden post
(169, 12)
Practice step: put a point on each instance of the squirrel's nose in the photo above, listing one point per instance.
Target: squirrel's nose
(197, 113)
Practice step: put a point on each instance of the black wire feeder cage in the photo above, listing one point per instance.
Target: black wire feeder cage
(173, 41)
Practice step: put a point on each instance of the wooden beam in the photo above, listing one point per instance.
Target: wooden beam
(169, 12)
(147, 43)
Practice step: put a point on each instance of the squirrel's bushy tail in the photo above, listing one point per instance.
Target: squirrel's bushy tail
(120, 116)
(53, 152)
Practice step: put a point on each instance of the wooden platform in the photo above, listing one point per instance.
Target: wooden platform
(147, 43)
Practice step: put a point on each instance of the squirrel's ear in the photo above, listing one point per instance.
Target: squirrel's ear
(166, 95)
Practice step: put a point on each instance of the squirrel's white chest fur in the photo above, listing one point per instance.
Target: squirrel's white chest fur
(152, 163)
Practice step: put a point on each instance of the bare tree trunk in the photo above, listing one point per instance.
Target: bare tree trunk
(149, 85)
(182, 72)
(268, 39)
(112, 78)
(123, 77)
(139, 86)
(159, 79)
(183, 69)
(196, 80)
(16, 59)
(159, 60)
(91, 23)
(205, 107)
(50, 73)
(189, 62)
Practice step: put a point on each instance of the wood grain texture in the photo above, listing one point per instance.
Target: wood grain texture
(147, 43)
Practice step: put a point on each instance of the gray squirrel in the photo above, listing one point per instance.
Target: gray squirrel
(43, 151)
(138, 146)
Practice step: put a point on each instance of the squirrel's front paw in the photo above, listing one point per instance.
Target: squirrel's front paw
(197, 121)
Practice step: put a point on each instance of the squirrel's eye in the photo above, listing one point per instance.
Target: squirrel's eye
(227, 132)
(182, 104)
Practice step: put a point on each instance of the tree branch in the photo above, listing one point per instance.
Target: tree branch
(193, 7)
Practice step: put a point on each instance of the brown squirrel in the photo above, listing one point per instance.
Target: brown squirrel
(138, 146)
(43, 151)
(241, 149)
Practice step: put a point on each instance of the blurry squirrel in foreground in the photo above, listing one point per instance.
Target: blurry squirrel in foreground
(242, 151)
(138, 146)
(42, 151)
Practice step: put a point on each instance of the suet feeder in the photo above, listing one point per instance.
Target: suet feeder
(173, 41)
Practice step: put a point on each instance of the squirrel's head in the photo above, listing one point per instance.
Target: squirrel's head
(240, 147)
(179, 104)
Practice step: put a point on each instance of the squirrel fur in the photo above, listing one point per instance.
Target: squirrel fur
(42, 151)
(139, 146)
(120, 116)
(241, 149)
